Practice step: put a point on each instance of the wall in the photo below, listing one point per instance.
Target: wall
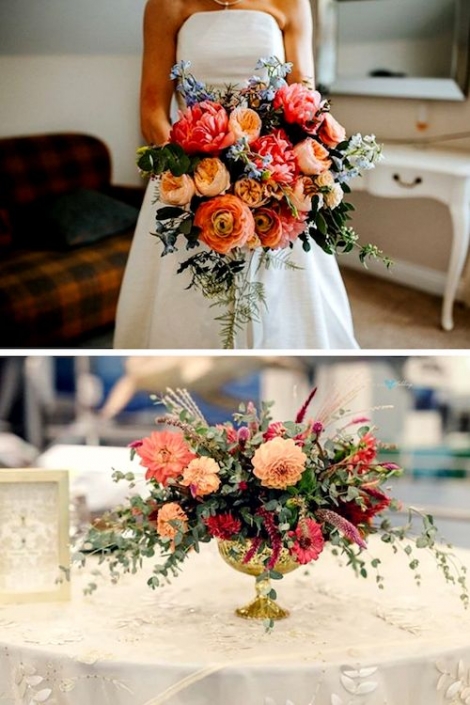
(68, 65)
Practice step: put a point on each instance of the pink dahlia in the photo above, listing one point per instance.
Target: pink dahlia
(165, 455)
(309, 541)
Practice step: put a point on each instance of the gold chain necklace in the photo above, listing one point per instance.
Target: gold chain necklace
(226, 4)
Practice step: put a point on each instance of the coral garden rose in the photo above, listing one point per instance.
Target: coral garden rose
(251, 192)
(292, 226)
(325, 180)
(171, 519)
(165, 455)
(308, 541)
(312, 157)
(331, 132)
(334, 196)
(245, 122)
(176, 190)
(301, 193)
(279, 463)
(203, 127)
(211, 177)
(225, 222)
(274, 155)
(201, 476)
(300, 106)
(268, 227)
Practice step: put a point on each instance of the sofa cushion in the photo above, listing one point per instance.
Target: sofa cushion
(81, 217)
(54, 298)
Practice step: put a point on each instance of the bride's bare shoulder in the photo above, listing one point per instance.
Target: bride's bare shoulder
(294, 10)
(168, 12)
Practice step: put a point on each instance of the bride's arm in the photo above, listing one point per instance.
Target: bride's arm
(298, 40)
(162, 19)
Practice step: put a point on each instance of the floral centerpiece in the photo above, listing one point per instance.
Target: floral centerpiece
(246, 173)
(273, 494)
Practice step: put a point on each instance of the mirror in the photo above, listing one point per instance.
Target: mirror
(396, 48)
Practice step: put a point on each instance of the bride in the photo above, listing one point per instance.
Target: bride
(223, 39)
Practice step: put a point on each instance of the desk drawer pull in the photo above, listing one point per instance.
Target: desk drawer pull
(407, 184)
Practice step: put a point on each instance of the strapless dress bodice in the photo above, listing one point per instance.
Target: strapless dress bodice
(224, 46)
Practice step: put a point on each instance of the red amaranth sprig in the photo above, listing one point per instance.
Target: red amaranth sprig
(253, 550)
(274, 537)
(303, 409)
(342, 524)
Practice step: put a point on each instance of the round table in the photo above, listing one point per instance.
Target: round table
(346, 641)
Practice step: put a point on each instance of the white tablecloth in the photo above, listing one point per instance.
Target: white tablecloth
(345, 643)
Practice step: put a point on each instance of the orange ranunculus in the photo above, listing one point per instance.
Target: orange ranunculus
(165, 455)
(279, 463)
(268, 227)
(245, 122)
(171, 512)
(251, 192)
(226, 222)
(201, 476)
(300, 106)
(274, 155)
(211, 177)
(312, 157)
(331, 132)
(176, 190)
(203, 128)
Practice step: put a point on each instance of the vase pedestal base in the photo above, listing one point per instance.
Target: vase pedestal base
(262, 608)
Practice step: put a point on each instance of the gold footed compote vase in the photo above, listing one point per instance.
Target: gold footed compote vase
(263, 606)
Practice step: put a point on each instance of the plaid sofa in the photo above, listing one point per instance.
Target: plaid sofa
(53, 297)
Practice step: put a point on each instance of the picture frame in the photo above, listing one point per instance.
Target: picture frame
(34, 535)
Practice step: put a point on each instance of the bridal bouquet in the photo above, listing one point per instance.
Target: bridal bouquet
(282, 486)
(246, 173)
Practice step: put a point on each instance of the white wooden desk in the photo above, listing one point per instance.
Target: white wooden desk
(419, 172)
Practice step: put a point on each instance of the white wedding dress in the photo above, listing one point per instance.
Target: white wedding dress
(306, 309)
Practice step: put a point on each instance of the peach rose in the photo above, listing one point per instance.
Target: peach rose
(225, 222)
(331, 132)
(334, 197)
(312, 157)
(251, 192)
(245, 122)
(301, 193)
(176, 190)
(171, 512)
(211, 177)
(201, 476)
(300, 106)
(203, 128)
(325, 180)
(268, 227)
(279, 463)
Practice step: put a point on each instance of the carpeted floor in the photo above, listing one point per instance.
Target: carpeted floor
(388, 316)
